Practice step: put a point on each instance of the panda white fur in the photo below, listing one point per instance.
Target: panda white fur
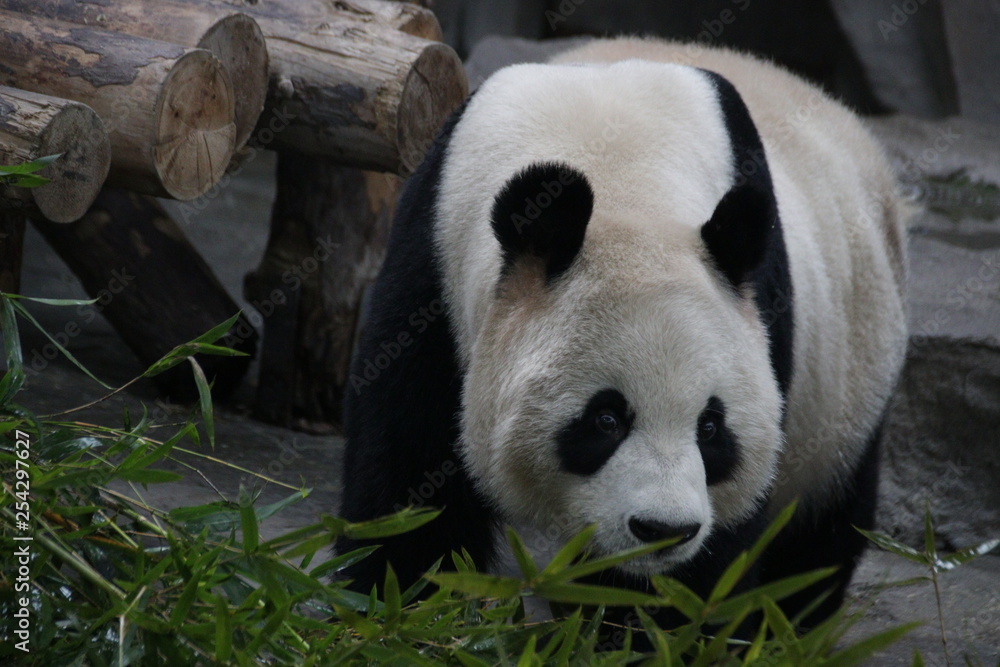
(669, 286)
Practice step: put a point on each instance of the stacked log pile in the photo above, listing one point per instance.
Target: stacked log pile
(166, 92)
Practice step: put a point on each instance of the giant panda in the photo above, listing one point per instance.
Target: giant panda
(649, 286)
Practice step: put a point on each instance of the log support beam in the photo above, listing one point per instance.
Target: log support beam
(12, 226)
(152, 286)
(329, 229)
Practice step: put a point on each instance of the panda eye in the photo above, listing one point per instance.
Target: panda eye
(608, 422)
(710, 422)
(707, 429)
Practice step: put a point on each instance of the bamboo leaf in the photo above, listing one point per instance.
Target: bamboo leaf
(782, 629)
(29, 167)
(223, 631)
(394, 524)
(49, 302)
(186, 599)
(657, 637)
(528, 655)
(573, 548)
(592, 595)
(730, 577)
(248, 522)
(218, 331)
(524, 559)
(893, 546)
(469, 660)
(185, 351)
(757, 645)
(23, 180)
(13, 379)
(864, 649)
(775, 590)
(679, 596)
(269, 510)
(779, 522)
(953, 560)
(393, 603)
(590, 566)
(478, 585)
(204, 400)
(66, 353)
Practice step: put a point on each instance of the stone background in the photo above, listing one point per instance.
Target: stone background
(930, 71)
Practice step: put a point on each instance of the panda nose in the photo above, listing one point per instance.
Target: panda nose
(649, 530)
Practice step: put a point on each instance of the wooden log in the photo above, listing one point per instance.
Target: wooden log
(152, 285)
(168, 109)
(11, 250)
(372, 101)
(234, 38)
(354, 87)
(329, 228)
(413, 19)
(34, 126)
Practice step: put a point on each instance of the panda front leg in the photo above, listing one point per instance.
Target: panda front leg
(826, 537)
(400, 429)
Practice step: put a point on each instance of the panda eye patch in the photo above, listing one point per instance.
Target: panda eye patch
(592, 437)
(719, 446)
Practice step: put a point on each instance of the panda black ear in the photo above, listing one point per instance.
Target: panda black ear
(543, 212)
(739, 233)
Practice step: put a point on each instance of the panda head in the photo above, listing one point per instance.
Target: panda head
(621, 376)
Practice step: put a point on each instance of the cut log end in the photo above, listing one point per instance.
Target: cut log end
(34, 126)
(419, 22)
(435, 86)
(78, 134)
(195, 132)
(238, 43)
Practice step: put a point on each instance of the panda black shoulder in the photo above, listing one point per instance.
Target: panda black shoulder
(771, 278)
